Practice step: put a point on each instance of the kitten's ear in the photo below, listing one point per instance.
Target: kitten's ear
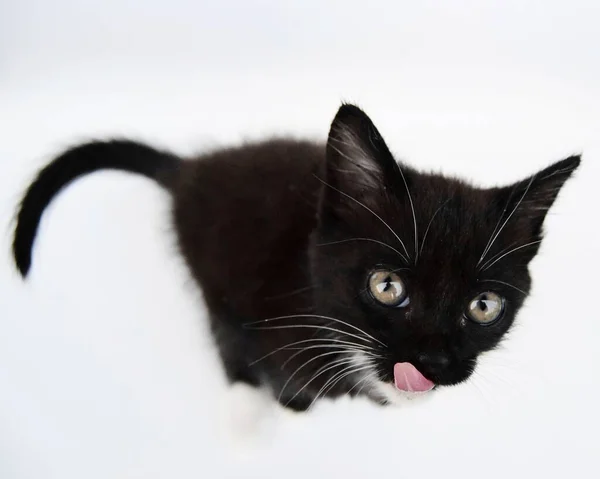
(530, 199)
(357, 156)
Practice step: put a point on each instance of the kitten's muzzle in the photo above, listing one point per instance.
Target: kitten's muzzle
(442, 369)
(436, 362)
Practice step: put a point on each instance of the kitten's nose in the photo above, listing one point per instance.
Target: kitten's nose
(434, 362)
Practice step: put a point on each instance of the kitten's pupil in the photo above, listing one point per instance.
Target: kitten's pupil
(483, 304)
(385, 285)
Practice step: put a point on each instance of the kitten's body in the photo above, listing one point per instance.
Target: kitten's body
(283, 236)
(254, 264)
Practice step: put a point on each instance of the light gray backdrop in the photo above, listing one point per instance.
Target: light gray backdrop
(106, 368)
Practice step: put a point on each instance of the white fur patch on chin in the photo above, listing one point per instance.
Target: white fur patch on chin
(246, 415)
(383, 390)
(394, 396)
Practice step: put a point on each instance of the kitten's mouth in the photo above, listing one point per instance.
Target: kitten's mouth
(408, 378)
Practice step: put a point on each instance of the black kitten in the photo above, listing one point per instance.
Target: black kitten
(333, 269)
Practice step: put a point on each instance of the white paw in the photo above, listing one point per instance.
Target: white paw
(247, 414)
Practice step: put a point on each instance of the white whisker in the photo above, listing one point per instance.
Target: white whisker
(313, 326)
(364, 165)
(360, 360)
(372, 383)
(487, 246)
(303, 365)
(507, 219)
(429, 225)
(366, 239)
(335, 379)
(318, 316)
(498, 254)
(327, 340)
(319, 373)
(557, 172)
(412, 207)
(488, 265)
(332, 378)
(478, 376)
(339, 349)
(369, 210)
(344, 360)
(362, 380)
(339, 374)
(504, 283)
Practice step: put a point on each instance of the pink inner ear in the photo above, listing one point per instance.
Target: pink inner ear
(408, 378)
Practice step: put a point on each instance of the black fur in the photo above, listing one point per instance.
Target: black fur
(76, 162)
(289, 228)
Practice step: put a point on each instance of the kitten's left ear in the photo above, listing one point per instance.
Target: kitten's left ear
(531, 198)
(356, 153)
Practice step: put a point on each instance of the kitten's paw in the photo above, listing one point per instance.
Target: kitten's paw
(298, 404)
(246, 414)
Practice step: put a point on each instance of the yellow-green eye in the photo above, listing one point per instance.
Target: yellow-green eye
(387, 288)
(485, 308)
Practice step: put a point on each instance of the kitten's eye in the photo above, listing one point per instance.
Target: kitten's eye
(387, 288)
(485, 308)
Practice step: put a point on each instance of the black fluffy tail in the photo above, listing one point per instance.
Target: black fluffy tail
(78, 161)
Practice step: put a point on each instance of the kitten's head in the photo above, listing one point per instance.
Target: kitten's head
(428, 271)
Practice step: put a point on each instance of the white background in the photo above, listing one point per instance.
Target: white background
(106, 367)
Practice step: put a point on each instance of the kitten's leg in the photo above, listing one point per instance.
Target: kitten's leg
(240, 374)
(247, 412)
(247, 409)
(247, 405)
(237, 371)
(231, 346)
(299, 403)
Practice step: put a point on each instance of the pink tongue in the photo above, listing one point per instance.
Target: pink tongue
(407, 378)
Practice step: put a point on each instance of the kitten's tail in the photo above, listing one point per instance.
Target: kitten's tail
(78, 161)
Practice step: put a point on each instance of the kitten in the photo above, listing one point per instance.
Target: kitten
(333, 269)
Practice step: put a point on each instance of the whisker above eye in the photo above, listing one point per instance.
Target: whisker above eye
(504, 283)
(412, 207)
(369, 210)
(429, 225)
(366, 239)
(502, 254)
(488, 245)
(495, 236)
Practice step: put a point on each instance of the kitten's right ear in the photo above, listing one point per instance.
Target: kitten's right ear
(357, 156)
